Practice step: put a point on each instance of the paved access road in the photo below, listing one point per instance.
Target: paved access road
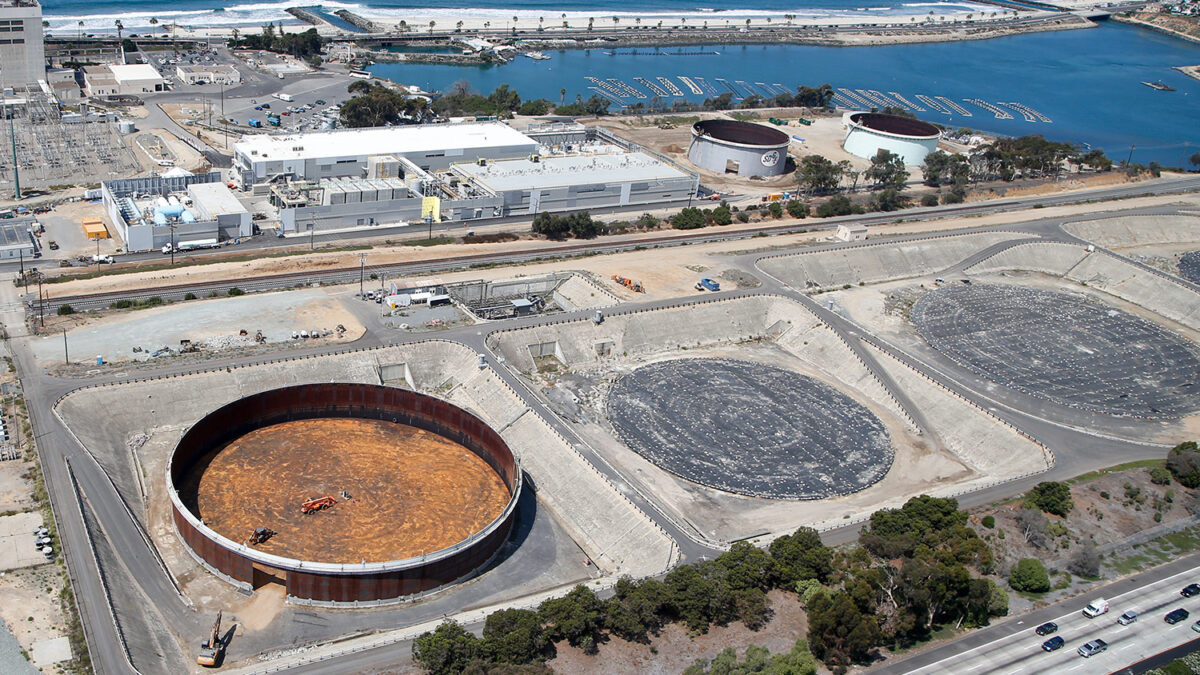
(1013, 647)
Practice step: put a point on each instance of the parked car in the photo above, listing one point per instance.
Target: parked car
(258, 107)
(1196, 626)
(1092, 648)
(53, 245)
(266, 106)
(1190, 590)
(1047, 628)
(1053, 643)
(1176, 615)
(1127, 618)
(320, 101)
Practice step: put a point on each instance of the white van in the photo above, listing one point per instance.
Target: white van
(1096, 608)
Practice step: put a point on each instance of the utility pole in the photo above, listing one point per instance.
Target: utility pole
(66, 354)
(362, 269)
(312, 230)
(1130, 158)
(41, 303)
(12, 135)
(172, 244)
(224, 128)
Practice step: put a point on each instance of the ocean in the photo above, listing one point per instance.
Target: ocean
(135, 15)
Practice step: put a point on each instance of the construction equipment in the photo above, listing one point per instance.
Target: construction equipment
(317, 504)
(212, 651)
(635, 286)
(260, 535)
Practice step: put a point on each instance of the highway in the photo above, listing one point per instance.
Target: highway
(1012, 646)
(1076, 448)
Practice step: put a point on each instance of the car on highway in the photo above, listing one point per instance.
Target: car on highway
(320, 101)
(1190, 590)
(1176, 615)
(1127, 618)
(258, 107)
(1054, 643)
(1046, 628)
(1092, 648)
(1196, 626)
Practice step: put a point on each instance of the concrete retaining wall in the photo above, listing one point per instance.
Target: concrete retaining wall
(1153, 291)
(1048, 258)
(878, 261)
(1137, 230)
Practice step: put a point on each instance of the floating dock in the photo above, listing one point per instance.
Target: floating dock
(998, 112)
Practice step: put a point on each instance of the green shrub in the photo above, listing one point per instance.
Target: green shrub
(121, 304)
(1029, 576)
(797, 209)
(64, 310)
(235, 291)
(1051, 497)
(775, 209)
(690, 218)
(1159, 475)
(989, 522)
(743, 217)
(190, 296)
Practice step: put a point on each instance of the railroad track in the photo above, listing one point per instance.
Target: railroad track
(351, 274)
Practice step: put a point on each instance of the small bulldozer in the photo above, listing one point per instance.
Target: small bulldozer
(212, 651)
(260, 535)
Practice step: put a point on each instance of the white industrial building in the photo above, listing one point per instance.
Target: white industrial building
(217, 73)
(130, 80)
(343, 153)
(148, 213)
(22, 48)
(868, 133)
(461, 172)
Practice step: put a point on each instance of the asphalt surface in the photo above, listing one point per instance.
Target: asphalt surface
(1076, 450)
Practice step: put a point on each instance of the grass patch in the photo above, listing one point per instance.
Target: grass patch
(1093, 475)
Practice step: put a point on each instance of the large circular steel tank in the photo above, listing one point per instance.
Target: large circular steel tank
(430, 491)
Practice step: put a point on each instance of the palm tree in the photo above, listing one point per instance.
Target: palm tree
(431, 25)
(236, 34)
(591, 20)
(81, 31)
(562, 96)
(616, 20)
(458, 27)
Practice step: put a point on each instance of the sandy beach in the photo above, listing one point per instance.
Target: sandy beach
(849, 27)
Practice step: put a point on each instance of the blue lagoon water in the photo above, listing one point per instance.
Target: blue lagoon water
(1088, 82)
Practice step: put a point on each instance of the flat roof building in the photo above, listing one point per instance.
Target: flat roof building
(137, 78)
(22, 49)
(214, 73)
(16, 239)
(343, 153)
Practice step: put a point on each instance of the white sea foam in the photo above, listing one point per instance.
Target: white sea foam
(253, 14)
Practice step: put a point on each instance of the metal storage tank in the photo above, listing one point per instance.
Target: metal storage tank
(743, 148)
(208, 496)
(867, 133)
(126, 126)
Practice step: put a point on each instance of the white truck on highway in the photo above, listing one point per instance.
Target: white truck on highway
(1095, 608)
(190, 245)
(285, 97)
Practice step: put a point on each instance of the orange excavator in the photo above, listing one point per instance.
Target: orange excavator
(211, 651)
(317, 504)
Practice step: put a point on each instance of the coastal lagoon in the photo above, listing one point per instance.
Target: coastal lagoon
(1087, 82)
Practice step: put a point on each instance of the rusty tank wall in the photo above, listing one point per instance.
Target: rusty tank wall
(313, 580)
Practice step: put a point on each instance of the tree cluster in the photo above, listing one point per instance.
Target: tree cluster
(462, 100)
(376, 105)
(732, 587)
(580, 225)
(805, 97)
(914, 572)
(301, 45)
(757, 659)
